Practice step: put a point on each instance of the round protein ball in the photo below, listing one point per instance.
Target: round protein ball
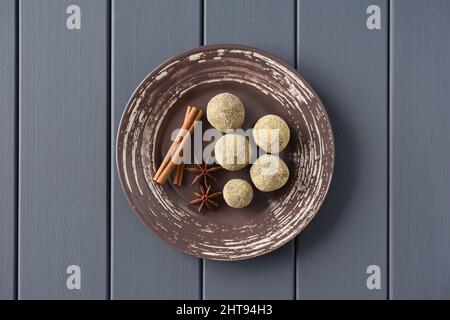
(269, 173)
(271, 133)
(238, 193)
(225, 111)
(232, 151)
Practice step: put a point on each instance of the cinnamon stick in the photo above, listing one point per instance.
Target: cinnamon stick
(166, 171)
(179, 168)
(192, 115)
(178, 177)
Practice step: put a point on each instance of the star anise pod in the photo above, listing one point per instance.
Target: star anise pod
(203, 171)
(204, 198)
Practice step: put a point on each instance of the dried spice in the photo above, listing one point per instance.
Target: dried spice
(204, 198)
(192, 118)
(203, 171)
(178, 176)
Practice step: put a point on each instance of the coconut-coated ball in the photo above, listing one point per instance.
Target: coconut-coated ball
(269, 173)
(271, 133)
(238, 193)
(225, 112)
(232, 151)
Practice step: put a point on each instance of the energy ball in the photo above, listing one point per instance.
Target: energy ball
(232, 151)
(225, 111)
(238, 193)
(269, 173)
(271, 133)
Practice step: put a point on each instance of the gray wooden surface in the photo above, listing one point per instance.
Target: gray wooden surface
(63, 150)
(385, 91)
(347, 64)
(8, 181)
(420, 149)
(145, 34)
(235, 21)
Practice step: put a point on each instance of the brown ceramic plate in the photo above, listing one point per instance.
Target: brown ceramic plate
(266, 85)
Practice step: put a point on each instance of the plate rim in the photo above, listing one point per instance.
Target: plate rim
(211, 47)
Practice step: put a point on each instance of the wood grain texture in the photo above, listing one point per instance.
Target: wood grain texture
(63, 153)
(268, 25)
(346, 63)
(8, 181)
(145, 33)
(420, 149)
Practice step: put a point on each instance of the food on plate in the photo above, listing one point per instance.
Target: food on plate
(271, 133)
(238, 193)
(269, 173)
(225, 112)
(232, 151)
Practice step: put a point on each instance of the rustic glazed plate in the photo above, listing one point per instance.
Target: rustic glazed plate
(266, 85)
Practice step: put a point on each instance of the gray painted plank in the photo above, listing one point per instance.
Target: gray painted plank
(63, 153)
(145, 33)
(347, 65)
(268, 25)
(420, 149)
(7, 146)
